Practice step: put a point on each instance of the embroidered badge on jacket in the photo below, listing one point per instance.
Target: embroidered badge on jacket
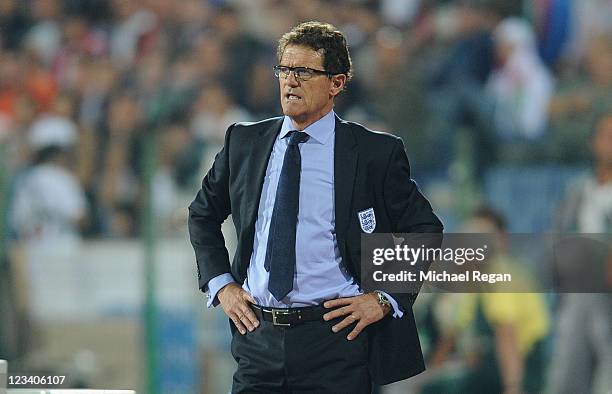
(367, 220)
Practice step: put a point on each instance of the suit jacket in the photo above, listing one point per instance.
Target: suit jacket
(371, 170)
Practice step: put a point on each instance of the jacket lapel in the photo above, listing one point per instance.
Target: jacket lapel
(262, 142)
(345, 168)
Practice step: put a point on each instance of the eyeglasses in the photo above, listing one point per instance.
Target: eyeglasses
(300, 73)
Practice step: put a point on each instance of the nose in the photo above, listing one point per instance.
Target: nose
(292, 79)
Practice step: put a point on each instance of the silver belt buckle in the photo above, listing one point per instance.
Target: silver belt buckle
(275, 313)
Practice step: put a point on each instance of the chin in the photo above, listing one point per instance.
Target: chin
(292, 112)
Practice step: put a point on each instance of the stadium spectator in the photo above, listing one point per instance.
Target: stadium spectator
(119, 189)
(500, 334)
(522, 85)
(577, 98)
(583, 356)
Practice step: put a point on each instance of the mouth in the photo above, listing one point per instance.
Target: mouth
(292, 97)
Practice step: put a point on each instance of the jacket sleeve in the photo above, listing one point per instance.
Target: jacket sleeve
(207, 213)
(409, 211)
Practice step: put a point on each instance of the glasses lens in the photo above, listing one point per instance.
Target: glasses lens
(303, 73)
(300, 73)
(281, 71)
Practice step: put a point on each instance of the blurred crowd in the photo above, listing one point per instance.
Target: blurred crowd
(84, 84)
(89, 87)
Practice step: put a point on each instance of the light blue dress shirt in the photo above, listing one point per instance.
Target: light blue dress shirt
(320, 274)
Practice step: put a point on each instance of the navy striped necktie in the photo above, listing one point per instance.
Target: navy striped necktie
(280, 251)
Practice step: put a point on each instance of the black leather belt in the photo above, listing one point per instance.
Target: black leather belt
(288, 317)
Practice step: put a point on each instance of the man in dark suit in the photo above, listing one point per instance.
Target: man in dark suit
(301, 190)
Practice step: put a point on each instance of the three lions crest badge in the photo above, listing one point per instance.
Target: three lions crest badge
(367, 220)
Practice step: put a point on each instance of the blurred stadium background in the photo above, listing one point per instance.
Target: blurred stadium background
(111, 112)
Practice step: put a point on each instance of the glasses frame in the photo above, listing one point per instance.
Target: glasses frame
(295, 70)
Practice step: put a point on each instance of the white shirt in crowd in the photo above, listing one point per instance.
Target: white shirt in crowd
(47, 204)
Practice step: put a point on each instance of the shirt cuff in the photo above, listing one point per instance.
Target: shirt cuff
(397, 310)
(214, 285)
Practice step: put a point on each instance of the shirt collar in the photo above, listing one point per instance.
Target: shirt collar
(320, 130)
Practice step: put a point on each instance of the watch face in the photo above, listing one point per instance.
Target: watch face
(382, 299)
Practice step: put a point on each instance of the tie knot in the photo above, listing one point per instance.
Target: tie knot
(297, 137)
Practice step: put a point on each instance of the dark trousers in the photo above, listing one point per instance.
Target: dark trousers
(305, 358)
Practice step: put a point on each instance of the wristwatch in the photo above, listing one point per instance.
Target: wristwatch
(382, 299)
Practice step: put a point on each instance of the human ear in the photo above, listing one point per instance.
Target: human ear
(337, 84)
